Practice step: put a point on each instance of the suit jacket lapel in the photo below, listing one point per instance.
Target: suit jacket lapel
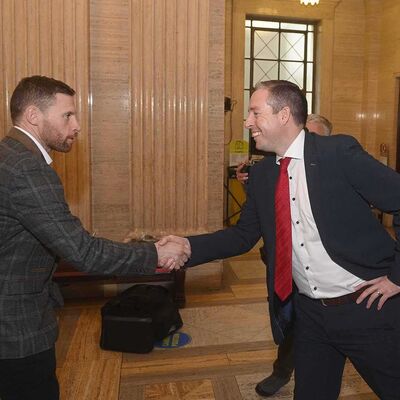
(312, 167)
(270, 176)
(266, 186)
(19, 136)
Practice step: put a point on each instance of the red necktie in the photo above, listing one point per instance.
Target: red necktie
(283, 234)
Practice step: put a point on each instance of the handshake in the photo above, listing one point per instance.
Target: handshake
(173, 252)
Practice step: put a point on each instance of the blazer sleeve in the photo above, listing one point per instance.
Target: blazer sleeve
(375, 182)
(38, 203)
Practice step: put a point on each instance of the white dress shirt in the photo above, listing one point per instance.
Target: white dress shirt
(316, 275)
(46, 155)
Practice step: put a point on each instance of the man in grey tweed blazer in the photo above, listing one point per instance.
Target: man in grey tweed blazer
(36, 226)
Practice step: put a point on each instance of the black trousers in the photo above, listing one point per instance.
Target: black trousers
(32, 377)
(284, 364)
(326, 336)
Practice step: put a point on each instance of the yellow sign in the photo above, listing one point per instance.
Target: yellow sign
(238, 152)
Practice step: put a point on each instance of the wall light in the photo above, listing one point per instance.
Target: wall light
(311, 2)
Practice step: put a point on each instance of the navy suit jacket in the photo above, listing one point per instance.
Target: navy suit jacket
(343, 181)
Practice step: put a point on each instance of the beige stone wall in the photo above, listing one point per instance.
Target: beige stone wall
(372, 45)
(348, 67)
(157, 130)
(388, 77)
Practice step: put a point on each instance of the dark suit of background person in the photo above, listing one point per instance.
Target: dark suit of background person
(342, 181)
(36, 227)
(283, 366)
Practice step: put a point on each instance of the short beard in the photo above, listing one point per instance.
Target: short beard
(53, 139)
(61, 147)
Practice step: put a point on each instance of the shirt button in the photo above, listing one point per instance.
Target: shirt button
(290, 177)
(307, 267)
(315, 288)
(301, 244)
(293, 198)
(297, 222)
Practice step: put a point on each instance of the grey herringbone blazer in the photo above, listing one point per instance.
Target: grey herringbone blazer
(36, 226)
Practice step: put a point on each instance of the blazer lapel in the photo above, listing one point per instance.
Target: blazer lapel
(266, 188)
(312, 167)
(270, 176)
(19, 136)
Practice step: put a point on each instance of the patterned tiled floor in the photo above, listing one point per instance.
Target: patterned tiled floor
(230, 351)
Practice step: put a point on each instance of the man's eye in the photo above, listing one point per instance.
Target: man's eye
(67, 115)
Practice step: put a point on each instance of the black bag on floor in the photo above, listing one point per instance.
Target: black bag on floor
(138, 317)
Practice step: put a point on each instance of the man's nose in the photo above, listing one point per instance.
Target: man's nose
(77, 127)
(249, 122)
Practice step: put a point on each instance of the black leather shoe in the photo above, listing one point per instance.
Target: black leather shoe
(270, 385)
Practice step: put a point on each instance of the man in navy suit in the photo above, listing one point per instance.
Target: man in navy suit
(346, 268)
(283, 366)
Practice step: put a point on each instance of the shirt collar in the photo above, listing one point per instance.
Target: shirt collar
(46, 155)
(296, 149)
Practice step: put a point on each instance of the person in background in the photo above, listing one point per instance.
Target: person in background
(333, 271)
(36, 228)
(319, 124)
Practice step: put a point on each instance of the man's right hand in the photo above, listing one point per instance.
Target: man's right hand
(173, 252)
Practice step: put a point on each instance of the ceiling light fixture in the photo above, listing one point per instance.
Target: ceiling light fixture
(309, 2)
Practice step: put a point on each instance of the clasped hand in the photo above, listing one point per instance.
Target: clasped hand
(173, 252)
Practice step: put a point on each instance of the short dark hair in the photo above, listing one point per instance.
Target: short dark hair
(286, 94)
(36, 90)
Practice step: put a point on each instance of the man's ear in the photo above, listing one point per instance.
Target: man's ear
(33, 115)
(284, 115)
